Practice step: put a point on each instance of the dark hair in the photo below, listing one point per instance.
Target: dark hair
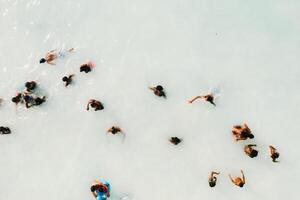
(30, 85)
(274, 156)
(65, 78)
(253, 153)
(250, 135)
(241, 184)
(93, 188)
(212, 183)
(42, 60)
(159, 87)
(15, 99)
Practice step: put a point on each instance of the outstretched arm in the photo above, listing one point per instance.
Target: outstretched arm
(251, 145)
(212, 173)
(243, 176)
(195, 98)
(88, 106)
(231, 179)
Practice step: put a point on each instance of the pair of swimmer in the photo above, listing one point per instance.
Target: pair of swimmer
(175, 140)
(101, 190)
(238, 181)
(4, 130)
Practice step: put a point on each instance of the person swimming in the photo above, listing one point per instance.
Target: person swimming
(18, 98)
(30, 86)
(68, 79)
(212, 179)
(4, 130)
(158, 91)
(242, 132)
(250, 151)
(114, 130)
(101, 190)
(175, 140)
(273, 153)
(209, 98)
(237, 180)
(97, 105)
(87, 67)
(53, 55)
(31, 101)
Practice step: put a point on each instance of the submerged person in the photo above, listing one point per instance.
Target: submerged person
(52, 55)
(87, 67)
(114, 130)
(68, 79)
(30, 86)
(175, 140)
(250, 151)
(238, 181)
(212, 179)
(209, 98)
(101, 190)
(273, 153)
(97, 105)
(4, 130)
(242, 132)
(158, 91)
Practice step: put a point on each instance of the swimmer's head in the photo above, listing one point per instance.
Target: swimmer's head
(212, 183)
(251, 136)
(42, 60)
(15, 99)
(65, 79)
(159, 88)
(253, 153)
(93, 188)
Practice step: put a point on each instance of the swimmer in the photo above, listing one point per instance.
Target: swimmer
(68, 79)
(242, 132)
(209, 98)
(273, 153)
(52, 55)
(30, 86)
(250, 151)
(97, 105)
(158, 91)
(4, 130)
(100, 190)
(18, 98)
(237, 180)
(175, 140)
(114, 130)
(212, 179)
(87, 67)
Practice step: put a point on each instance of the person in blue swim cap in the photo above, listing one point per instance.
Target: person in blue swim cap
(101, 190)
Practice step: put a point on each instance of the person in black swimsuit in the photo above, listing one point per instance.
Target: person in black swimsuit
(209, 98)
(158, 91)
(97, 105)
(212, 179)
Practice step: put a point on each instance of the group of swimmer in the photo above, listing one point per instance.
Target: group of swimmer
(101, 190)
(242, 132)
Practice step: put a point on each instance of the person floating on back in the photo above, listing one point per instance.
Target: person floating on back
(30, 86)
(97, 105)
(242, 132)
(114, 130)
(250, 151)
(273, 153)
(4, 130)
(212, 179)
(158, 91)
(237, 180)
(68, 79)
(52, 55)
(100, 190)
(209, 98)
(87, 67)
(175, 140)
